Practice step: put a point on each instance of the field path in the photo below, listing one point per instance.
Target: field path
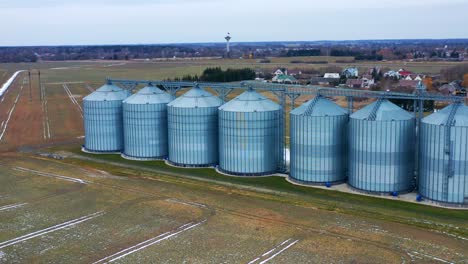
(73, 99)
(45, 231)
(152, 241)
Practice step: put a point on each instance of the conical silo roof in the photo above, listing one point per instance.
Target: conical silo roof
(319, 106)
(196, 97)
(441, 117)
(149, 95)
(107, 92)
(250, 101)
(382, 110)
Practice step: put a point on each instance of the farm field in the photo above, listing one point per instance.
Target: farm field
(120, 207)
(82, 208)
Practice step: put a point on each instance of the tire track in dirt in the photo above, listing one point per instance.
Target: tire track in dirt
(73, 99)
(45, 111)
(51, 229)
(12, 109)
(152, 241)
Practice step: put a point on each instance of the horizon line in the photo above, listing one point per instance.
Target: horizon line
(235, 42)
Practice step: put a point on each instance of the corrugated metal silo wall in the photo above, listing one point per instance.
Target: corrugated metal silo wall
(103, 126)
(145, 130)
(193, 136)
(249, 142)
(318, 148)
(434, 182)
(381, 155)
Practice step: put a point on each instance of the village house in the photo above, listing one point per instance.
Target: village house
(367, 81)
(355, 83)
(392, 74)
(283, 78)
(350, 73)
(282, 71)
(408, 84)
(453, 88)
(330, 75)
(294, 72)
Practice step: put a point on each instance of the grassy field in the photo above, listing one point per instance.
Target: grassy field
(88, 208)
(239, 219)
(96, 71)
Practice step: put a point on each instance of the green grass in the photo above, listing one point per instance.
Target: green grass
(377, 208)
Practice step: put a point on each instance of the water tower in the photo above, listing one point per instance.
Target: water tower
(228, 38)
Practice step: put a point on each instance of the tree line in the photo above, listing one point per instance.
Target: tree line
(216, 74)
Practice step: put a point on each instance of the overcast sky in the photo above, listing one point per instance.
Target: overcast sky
(72, 22)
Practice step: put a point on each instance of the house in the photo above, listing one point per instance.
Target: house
(294, 72)
(324, 81)
(452, 88)
(355, 83)
(404, 73)
(367, 81)
(330, 75)
(350, 73)
(281, 71)
(283, 78)
(392, 74)
(408, 84)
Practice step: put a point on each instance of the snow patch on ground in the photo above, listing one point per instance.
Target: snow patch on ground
(8, 83)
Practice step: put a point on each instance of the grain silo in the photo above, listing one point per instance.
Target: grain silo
(381, 148)
(145, 124)
(249, 135)
(318, 133)
(103, 119)
(443, 163)
(193, 129)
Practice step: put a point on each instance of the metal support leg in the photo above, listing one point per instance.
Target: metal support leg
(293, 98)
(419, 114)
(281, 131)
(350, 104)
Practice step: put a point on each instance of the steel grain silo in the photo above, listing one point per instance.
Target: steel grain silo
(193, 129)
(443, 163)
(381, 152)
(145, 124)
(318, 136)
(103, 119)
(249, 135)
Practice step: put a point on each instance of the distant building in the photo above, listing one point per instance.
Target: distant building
(392, 74)
(283, 78)
(408, 84)
(294, 72)
(452, 88)
(282, 71)
(350, 73)
(404, 73)
(367, 81)
(324, 81)
(355, 83)
(333, 75)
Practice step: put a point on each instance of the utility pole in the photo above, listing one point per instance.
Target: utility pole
(39, 80)
(30, 88)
